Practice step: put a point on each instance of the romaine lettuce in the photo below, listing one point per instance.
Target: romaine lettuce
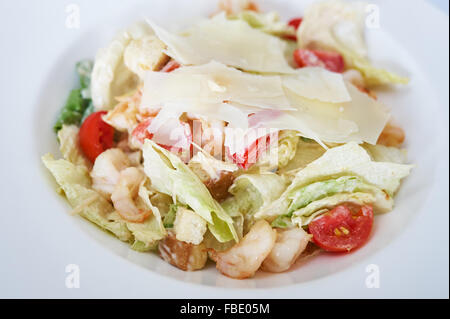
(79, 100)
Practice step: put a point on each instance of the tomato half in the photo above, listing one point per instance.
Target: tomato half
(96, 136)
(342, 231)
(331, 61)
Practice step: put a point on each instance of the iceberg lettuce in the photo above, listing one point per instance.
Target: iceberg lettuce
(305, 215)
(253, 192)
(69, 146)
(171, 176)
(75, 183)
(339, 26)
(347, 168)
(267, 22)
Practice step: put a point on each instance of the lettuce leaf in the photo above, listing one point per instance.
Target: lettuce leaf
(147, 234)
(171, 176)
(347, 160)
(69, 146)
(267, 22)
(305, 215)
(345, 184)
(277, 158)
(252, 192)
(339, 26)
(75, 183)
(79, 100)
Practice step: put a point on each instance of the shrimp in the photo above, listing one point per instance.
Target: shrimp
(288, 247)
(243, 259)
(106, 171)
(125, 193)
(123, 117)
(392, 135)
(186, 256)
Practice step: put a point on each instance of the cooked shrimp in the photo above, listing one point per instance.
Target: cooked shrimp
(106, 170)
(123, 117)
(288, 247)
(125, 193)
(243, 259)
(392, 135)
(186, 256)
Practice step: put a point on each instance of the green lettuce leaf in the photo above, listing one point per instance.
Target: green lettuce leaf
(79, 100)
(305, 215)
(346, 184)
(253, 192)
(380, 178)
(267, 22)
(75, 183)
(171, 176)
(339, 26)
(169, 219)
(147, 234)
(69, 146)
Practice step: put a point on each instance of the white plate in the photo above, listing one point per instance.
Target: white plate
(39, 239)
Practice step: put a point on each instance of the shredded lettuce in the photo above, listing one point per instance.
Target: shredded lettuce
(171, 176)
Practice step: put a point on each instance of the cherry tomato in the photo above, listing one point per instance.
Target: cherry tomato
(170, 66)
(342, 231)
(331, 61)
(295, 23)
(96, 136)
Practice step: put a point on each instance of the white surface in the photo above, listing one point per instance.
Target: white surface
(38, 238)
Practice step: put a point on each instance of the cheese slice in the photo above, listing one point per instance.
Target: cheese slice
(231, 42)
(361, 120)
(213, 83)
(318, 84)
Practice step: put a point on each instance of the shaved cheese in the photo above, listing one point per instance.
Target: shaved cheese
(213, 83)
(318, 83)
(231, 42)
(361, 120)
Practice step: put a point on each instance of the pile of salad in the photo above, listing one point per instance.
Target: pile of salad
(242, 139)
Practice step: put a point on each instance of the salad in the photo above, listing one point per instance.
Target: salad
(242, 139)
